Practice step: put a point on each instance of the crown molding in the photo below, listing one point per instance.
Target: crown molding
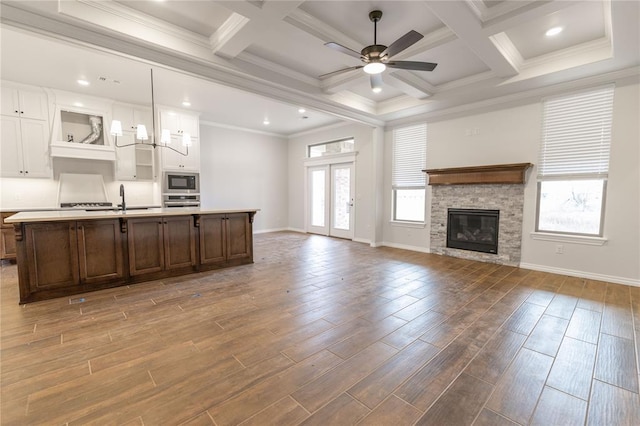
(627, 76)
(263, 63)
(241, 129)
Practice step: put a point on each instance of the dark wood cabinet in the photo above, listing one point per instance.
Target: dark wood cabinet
(158, 244)
(52, 255)
(146, 245)
(239, 236)
(225, 237)
(179, 242)
(7, 239)
(100, 251)
(213, 249)
(62, 257)
(71, 254)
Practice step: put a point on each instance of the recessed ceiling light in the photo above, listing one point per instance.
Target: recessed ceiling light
(266, 122)
(78, 104)
(302, 110)
(553, 31)
(82, 82)
(377, 89)
(186, 103)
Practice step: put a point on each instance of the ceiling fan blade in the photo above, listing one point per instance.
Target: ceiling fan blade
(345, 50)
(376, 81)
(340, 71)
(402, 43)
(412, 65)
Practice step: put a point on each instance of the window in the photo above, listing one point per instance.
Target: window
(407, 178)
(574, 162)
(328, 148)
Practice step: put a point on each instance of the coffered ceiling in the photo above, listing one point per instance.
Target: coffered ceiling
(486, 51)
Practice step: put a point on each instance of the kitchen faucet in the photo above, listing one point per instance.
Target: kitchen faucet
(123, 205)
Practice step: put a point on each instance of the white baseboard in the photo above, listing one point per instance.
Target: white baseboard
(582, 274)
(265, 231)
(362, 240)
(404, 247)
(302, 231)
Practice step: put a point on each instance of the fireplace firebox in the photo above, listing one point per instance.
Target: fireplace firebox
(473, 229)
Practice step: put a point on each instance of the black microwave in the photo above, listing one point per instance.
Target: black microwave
(188, 183)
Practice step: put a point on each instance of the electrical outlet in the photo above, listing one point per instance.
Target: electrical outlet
(559, 249)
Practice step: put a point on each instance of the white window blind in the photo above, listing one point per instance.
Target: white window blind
(576, 135)
(409, 156)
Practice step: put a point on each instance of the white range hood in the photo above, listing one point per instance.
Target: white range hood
(81, 188)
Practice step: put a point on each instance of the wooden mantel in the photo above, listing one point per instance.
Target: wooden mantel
(500, 173)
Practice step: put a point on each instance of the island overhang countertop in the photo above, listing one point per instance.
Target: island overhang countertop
(55, 216)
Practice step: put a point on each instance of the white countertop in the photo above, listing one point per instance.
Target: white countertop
(54, 216)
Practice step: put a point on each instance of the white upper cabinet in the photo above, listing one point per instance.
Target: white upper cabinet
(174, 161)
(24, 147)
(24, 103)
(134, 162)
(131, 116)
(180, 123)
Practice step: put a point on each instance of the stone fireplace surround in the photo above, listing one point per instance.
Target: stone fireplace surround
(498, 187)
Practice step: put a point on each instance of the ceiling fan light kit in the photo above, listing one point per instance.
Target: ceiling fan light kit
(376, 57)
(374, 68)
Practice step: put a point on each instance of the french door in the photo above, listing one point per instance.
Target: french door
(330, 200)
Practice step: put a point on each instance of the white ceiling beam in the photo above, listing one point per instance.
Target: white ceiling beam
(312, 25)
(409, 84)
(525, 14)
(468, 27)
(247, 24)
(341, 82)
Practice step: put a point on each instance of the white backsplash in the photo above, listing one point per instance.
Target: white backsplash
(27, 193)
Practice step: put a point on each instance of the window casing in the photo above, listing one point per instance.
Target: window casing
(328, 148)
(408, 180)
(574, 162)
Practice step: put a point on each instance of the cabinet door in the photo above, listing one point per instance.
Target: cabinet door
(143, 116)
(100, 251)
(33, 104)
(35, 148)
(239, 238)
(52, 255)
(213, 247)
(179, 242)
(7, 238)
(10, 102)
(11, 147)
(146, 246)
(8, 243)
(124, 114)
(169, 120)
(192, 161)
(126, 158)
(189, 124)
(172, 160)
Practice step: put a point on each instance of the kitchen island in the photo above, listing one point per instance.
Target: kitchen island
(60, 253)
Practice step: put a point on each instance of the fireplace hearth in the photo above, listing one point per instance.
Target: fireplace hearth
(473, 229)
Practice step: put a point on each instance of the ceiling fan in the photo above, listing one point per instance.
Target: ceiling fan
(377, 57)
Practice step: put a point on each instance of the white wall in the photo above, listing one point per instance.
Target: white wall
(618, 259)
(512, 135)
(241, 169)
(365, 192)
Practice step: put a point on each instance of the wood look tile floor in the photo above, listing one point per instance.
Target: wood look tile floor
(322, 331)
